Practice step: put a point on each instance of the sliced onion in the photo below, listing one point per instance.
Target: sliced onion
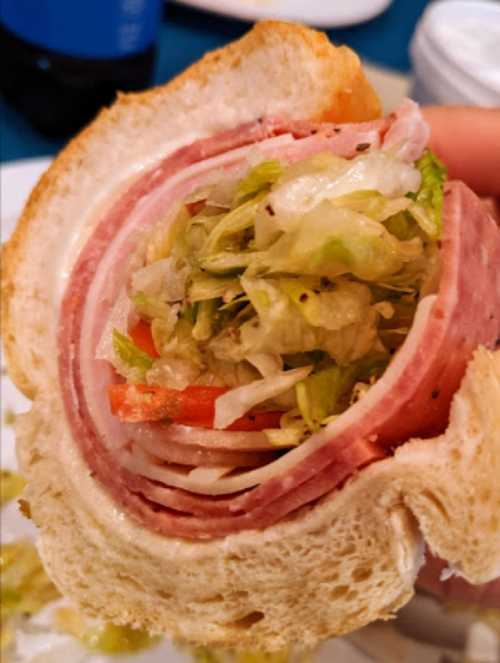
(158, 442)
(204, 437)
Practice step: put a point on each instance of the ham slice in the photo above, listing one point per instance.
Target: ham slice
(412, 398)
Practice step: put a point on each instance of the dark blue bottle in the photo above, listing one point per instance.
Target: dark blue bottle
(64, 59)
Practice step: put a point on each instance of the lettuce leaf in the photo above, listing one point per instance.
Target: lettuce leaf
(204, 286)
(372, 204)
(332, 241)
(166, 234)
(203, 327)
(239, 219)
(236, 402)
(429, 200)
(322, 394)
(151, 307)
(376, 171)
(318, 395)
(260, 178)
(128, 352)
(278, 326)
(345, 304)
(227, 262)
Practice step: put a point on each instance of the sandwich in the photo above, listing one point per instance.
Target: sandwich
(259, 329)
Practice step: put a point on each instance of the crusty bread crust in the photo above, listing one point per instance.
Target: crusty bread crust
(333, 567)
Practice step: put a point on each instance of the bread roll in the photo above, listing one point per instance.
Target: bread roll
(330, 568)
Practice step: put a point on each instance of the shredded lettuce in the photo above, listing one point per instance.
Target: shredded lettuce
(235, 403)
(204, 286)
(332, 241)
(279, 326)
(151, 307)
(345, 304)
(114, 639)
(372, 204)
(400, 225)
(260, 178)
(239, 219)
(429, 199)
(164, 279)
(26, 589)
(376, 171)
(166, 233)
(128, 352)
(203, 327)
(312, 266)
(318, 395)
(227, 262)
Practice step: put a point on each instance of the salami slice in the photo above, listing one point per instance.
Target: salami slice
(412, 397)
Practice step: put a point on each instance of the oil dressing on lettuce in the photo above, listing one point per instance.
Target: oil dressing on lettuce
(318, 265)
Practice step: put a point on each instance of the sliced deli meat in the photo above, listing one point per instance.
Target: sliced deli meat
(186, 479)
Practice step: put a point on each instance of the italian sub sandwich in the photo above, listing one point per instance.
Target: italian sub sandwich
(258, 326)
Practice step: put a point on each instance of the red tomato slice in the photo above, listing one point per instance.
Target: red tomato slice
(193, 406)
(140, 333)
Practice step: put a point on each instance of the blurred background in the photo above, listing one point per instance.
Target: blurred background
(61, 61)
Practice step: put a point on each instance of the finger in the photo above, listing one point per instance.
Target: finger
(468, 141)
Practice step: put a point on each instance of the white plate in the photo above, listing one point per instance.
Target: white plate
(320, 13)
(17, 180)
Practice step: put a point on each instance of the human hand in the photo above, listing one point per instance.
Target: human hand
(468, 141)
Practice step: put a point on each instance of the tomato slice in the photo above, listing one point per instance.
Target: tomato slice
(193, 406)
(140, 333)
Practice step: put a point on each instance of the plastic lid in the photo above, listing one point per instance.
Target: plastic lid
(456, 51)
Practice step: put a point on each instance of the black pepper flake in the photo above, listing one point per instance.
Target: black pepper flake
(337, 130)
(392, 351)
(324, 282)
(314, 132)
(269, 210)
(497, 343)
(434, 394)
(316, 291)
(361, 147)
(303, 297)
(251, 417)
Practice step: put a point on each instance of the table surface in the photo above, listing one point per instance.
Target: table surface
(186, 34)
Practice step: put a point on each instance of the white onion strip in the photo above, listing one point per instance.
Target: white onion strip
(157, 441)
